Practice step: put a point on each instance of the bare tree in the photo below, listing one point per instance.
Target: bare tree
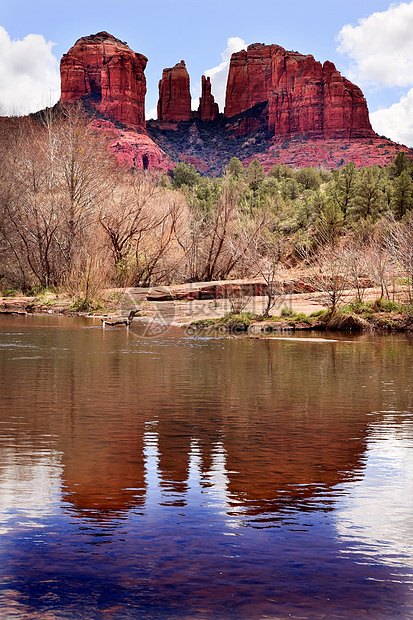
(358, 257)
(400, 246)
(126, 214)
(380, 263)
(58, 171)
(141, 221)
(156, 253)
(329, 271)
(207, 242)
(262, 253)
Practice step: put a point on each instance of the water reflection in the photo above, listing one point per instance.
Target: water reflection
(203, 478)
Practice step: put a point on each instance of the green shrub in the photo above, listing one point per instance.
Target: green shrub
(299, 318)
(287, 311)
(386, 305)
(82, 304)
(9, 292)
(318, 313)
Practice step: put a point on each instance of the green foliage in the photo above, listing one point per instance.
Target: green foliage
(41, 291)
(317, 314)
(285, 311)
(368, 198)
(330, 221)
(401, 164)
(387, 305)
(9, 292)
(299, 318)
(85, 304)
(245, 318)
(308, 178)
(185, 174)
(402, 198)
(357, 307)
(279, 171)
(343, 187)
(290, 189)
(235, 168)
(255, 175)
(205, 194)
(367, 309)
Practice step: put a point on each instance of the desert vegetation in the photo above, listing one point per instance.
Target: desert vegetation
(73, 219)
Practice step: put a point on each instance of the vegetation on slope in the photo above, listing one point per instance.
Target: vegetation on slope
(72, 218)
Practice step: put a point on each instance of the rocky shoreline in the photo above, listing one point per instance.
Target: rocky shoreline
(202, 312)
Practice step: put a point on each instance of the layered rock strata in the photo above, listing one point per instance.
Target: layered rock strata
(106, 72)
(304, 97)
(208, 110)
(174, 102)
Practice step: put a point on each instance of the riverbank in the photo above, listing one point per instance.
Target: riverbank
(293, 311)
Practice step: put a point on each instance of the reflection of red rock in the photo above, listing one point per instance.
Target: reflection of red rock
(174, 96)
(294, 460)
(208, 109)
(304, 96)
(174, 445)
(112, 76)
(113, 481)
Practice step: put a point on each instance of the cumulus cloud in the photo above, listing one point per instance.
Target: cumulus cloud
(29, 74)
(381, 46)
(219, 73)
(152, 114)
(396, 122)
(381, 51)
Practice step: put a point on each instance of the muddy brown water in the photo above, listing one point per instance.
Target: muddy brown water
(149, 474)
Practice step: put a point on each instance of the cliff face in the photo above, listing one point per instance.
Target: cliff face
(174, 102)
(281, 107)
(208, 110)
(249, 79)
(304, 96)
(111, 76)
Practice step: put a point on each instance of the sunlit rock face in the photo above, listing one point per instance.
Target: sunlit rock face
(281, 107)
(106, 72)
(208, 110)
(174, 102)
(304, 97)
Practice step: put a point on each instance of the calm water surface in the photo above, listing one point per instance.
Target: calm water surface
(199, 478)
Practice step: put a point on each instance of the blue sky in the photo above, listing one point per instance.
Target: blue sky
(370, 42)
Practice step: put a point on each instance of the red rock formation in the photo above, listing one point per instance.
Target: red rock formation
(249, 79)
(133, 148)
(111, 76)
(304, 97)
(208, 110)
(174, 102)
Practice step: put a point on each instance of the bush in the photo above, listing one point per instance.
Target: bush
(9, 292)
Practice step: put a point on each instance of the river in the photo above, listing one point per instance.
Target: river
(200, 477)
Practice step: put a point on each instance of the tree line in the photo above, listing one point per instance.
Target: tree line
(71, 216)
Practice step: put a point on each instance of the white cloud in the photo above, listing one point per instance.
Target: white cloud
(152, 114)
(396, 122)
(219, 74)
(29, 74)
(381, 46)
(381, 51)
(374, 517)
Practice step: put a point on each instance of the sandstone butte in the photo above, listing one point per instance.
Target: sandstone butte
(108, 75)
(304, 97)
(208, 110)
(174, 102)
(307, 112)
